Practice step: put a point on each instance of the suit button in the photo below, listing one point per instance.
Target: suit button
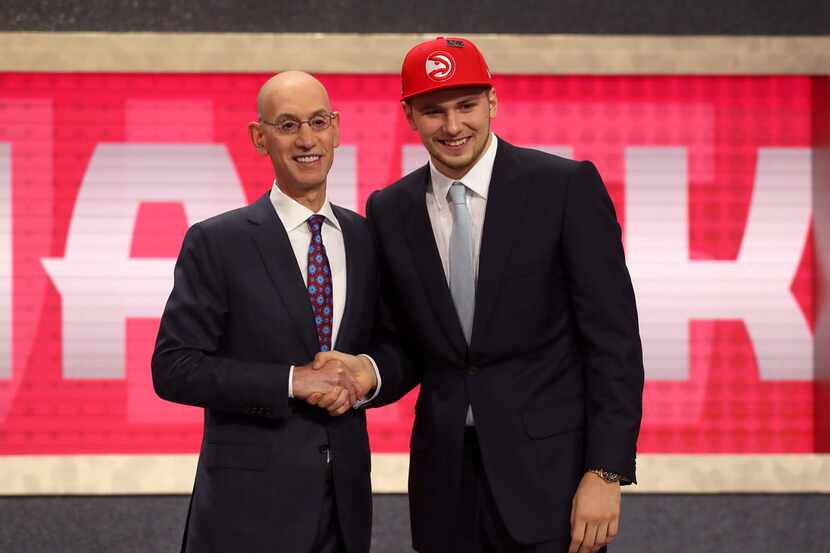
(472, 370)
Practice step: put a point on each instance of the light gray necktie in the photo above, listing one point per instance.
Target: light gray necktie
(462, 273)
(462, 279)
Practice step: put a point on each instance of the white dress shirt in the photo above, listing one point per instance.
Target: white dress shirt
(477, 183)
(294, 217)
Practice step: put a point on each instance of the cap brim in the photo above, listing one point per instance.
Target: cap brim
(482, 84)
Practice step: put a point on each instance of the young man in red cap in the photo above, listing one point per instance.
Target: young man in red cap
(504, 281)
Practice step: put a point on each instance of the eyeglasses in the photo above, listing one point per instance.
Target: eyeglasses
(317, 123)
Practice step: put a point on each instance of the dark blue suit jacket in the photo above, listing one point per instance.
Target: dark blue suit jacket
(238, 317)
(554, 370)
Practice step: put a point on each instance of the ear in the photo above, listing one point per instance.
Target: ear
(257, 137)
(335, 125)
(493, 100)
(407, 111)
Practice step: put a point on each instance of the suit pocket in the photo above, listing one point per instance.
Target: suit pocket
(555, 419)
(237, 456)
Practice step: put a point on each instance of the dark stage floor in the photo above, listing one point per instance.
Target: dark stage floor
(651, 524)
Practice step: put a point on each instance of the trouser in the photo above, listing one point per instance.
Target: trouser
(328, 538)
(480, 527)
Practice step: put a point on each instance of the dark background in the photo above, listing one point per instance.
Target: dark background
(667, 17)
(759, 523)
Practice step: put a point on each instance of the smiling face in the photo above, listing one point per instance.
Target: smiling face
(301, 161)
(454, 126)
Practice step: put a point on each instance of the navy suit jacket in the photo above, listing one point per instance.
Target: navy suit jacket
(554, 370)
(238, 316)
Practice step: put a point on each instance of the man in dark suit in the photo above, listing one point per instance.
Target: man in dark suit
(508, 300)
(258, 292)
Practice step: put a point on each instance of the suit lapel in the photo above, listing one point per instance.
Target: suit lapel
(353, 280)
(280, 262)
(418, 230)
(502, 217)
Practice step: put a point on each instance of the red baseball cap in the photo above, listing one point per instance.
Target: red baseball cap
(443, 63)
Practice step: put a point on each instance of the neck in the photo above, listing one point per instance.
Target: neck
(449, 172)
(312, 199)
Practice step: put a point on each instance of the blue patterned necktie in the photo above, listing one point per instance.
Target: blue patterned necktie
(319, 283)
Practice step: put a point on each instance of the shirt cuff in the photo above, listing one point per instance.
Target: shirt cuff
(291, 382)
(361, 402)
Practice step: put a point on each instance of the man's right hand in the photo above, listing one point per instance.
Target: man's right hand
(358, 366)
(332, 381)
(360, 369)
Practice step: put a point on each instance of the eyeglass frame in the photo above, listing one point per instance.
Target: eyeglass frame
(329, 116)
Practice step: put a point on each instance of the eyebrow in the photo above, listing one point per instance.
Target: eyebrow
(320, 111)
(470, 98)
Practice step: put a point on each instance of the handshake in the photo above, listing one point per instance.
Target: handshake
(334, 381)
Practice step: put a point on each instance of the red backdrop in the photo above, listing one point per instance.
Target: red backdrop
(710, 177)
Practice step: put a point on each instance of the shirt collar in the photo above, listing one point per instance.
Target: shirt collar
(477, 178)
(293, 214)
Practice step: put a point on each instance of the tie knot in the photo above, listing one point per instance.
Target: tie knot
(315, 223)
(457, 193)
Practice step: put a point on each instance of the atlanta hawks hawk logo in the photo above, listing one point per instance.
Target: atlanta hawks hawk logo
(440, 66)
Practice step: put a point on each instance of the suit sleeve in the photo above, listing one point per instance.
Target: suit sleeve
(606, 316)
(390, 350)
(187, 364)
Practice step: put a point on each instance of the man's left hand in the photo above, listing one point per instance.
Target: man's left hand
(358, 366)
(595, 514)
